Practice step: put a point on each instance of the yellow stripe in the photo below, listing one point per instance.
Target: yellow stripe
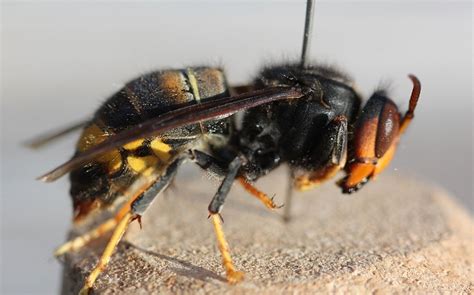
(194, 84)
(160, 149)
(134, 144)
(141, 164)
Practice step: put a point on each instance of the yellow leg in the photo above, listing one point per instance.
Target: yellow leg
(263, 197)
(109, 249)
(79, 242)
(233, 276)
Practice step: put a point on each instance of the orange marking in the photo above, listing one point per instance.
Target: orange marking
(83, 208)
(365, 139)
(358, 172)
(365, 149)
(94, 135)
(267, 201)
(365, 143)
(173, 85)
(406, 121)
(386, 159)
(311, 180)
(91, 135)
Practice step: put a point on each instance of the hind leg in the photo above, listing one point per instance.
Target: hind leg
(136, 208)
(82, 240)
(137, 204)
(109, 249)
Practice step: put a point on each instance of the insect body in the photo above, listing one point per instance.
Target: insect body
(308, 117)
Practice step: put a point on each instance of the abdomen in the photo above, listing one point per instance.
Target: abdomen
(99, 183)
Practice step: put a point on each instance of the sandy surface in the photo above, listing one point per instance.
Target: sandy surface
(400, 235)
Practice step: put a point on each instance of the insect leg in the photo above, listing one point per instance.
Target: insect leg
(82, 240)
(215, 166)
(135, 210)
(137, 205)
(263, 197)
(109, 249)
(233, 275)
(208, 163)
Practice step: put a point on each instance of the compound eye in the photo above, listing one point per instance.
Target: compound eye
(377, 128)
(387, 128)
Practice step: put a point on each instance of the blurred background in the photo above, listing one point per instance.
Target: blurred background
(61, 59)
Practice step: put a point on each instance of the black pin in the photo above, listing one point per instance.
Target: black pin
(308, 27)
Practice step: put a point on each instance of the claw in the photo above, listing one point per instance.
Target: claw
(267, 201)
(138, 218)
(272, 204)
(234, 277)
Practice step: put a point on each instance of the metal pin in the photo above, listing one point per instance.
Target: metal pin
(308, 26)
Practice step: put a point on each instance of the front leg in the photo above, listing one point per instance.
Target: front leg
(134, 209)
(217, 168)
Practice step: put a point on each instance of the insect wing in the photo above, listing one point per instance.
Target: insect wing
(48, 137)
(178, 118)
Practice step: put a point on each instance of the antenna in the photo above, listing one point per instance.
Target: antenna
(308, 26)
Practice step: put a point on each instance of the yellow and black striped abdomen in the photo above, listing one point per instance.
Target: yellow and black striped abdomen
(99, 183)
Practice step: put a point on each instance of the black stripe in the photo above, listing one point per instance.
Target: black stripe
(118, 113)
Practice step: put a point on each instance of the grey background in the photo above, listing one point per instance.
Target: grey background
(60, 60)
